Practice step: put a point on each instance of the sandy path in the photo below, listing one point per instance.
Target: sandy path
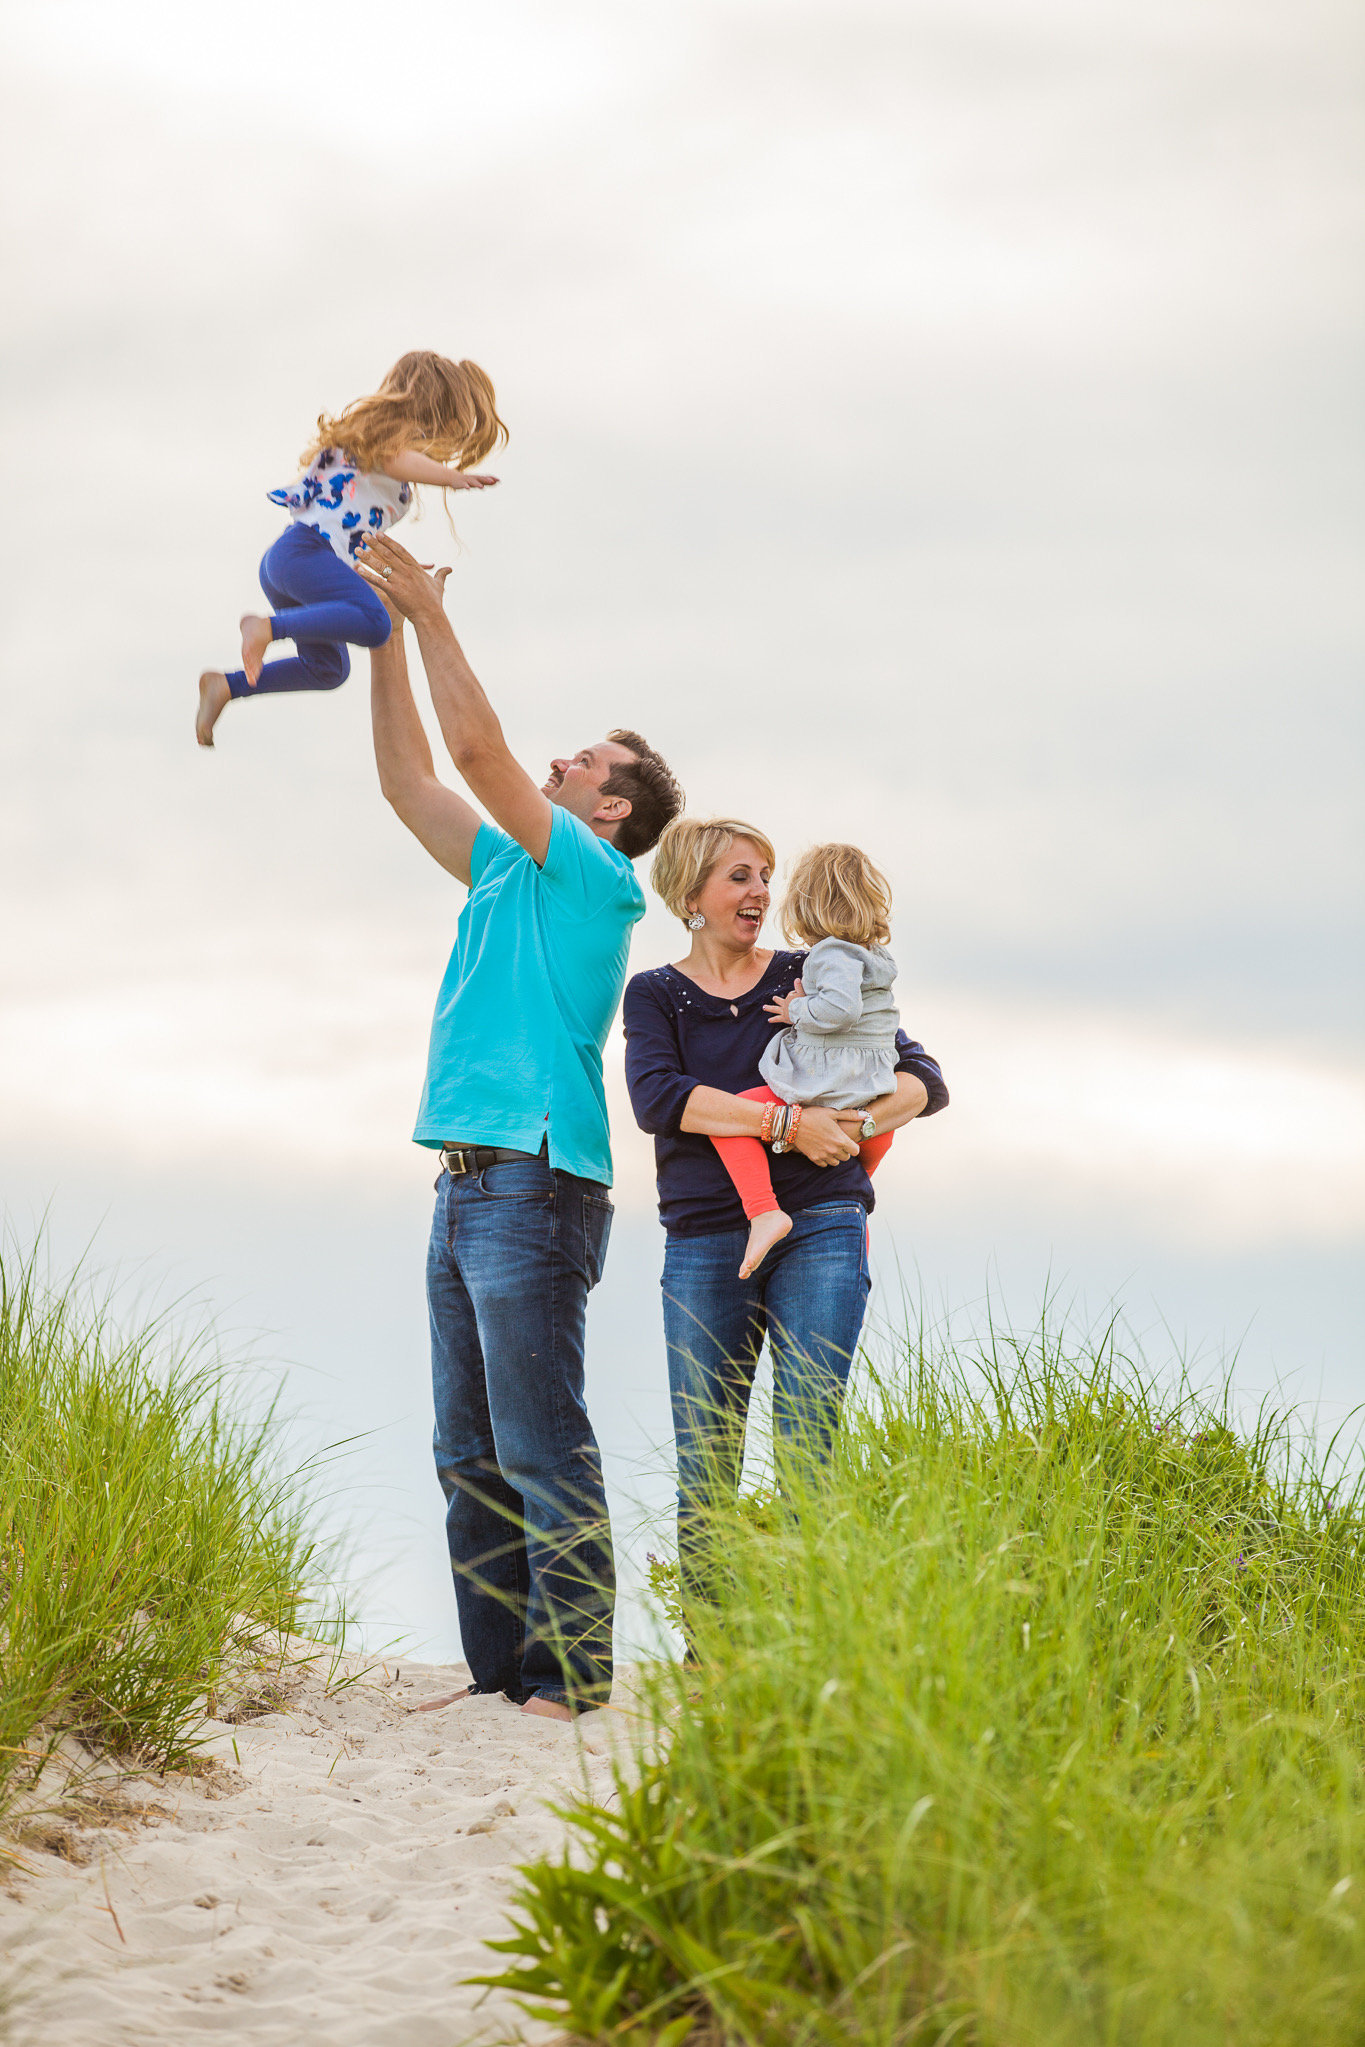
(334, 1880)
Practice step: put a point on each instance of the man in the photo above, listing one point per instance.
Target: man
(515, 1105)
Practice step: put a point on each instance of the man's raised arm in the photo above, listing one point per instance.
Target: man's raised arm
(469, 724)
(443, 821)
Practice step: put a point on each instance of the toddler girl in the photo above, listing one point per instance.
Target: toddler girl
(838, 1047)
(359, 470)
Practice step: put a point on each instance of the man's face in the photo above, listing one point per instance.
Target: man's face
(576, 781)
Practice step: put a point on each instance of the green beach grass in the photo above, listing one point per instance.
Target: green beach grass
(147, 1535)
(1035, 1718)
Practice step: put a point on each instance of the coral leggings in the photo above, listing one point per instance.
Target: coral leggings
(745, 1160)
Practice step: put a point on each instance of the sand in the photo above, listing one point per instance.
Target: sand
(332, 1877)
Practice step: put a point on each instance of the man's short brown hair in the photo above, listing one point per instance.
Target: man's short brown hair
(653, 790)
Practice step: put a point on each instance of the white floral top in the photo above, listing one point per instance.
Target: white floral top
(343, 503)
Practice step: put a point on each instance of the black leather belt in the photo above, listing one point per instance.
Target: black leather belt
(472, 1158)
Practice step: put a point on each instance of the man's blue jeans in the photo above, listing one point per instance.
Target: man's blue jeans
(514, 1251)
(808, 1299)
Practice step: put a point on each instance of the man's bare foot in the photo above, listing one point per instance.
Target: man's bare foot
(764, 1232)
(547, 1709)
(446, 1699)
(256, 637)
(214, 698)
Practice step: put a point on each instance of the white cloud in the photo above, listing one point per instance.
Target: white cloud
(294, 1069)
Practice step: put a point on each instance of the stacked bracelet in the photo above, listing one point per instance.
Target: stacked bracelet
(765, 1128)
(786, 1122)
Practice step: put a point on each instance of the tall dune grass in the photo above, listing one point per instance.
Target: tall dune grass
(1034, 1718)
(146, 1533)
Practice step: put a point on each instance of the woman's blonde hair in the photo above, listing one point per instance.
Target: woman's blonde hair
(836, 892)
(426, 402)
(690, 848)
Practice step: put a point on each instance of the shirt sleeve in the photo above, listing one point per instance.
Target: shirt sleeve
(584, 873)
(657, 1085)
(912, 1058)
(833, 980)
(491, 843)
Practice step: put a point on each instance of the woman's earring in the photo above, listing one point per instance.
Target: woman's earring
(695, 921)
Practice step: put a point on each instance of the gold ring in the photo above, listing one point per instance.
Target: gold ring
(386, 573)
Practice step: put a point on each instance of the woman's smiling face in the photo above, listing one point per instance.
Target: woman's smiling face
(734, 897)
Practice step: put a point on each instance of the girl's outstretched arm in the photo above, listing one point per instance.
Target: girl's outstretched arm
(407, 466)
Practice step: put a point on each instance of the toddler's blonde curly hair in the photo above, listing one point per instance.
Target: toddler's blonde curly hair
(836, 892)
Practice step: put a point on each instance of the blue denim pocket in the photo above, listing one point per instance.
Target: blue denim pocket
(519, 1180)
(597, 1215)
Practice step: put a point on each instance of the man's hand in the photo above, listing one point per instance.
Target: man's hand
(400, 579)
(779, 1009)
(821, 1137)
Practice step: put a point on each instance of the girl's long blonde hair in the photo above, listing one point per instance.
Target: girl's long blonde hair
(836, 892)
(441, 408)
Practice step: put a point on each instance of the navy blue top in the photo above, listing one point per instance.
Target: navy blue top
(678, 1037)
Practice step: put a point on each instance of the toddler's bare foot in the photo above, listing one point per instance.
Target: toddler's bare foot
(214, 698)
(256, 637)
(764, 1232)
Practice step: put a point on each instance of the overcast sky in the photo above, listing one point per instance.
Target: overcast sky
(937, 425)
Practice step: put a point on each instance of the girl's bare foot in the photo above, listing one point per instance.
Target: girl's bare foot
(764, 1232)
(256, 637)
(214, 698)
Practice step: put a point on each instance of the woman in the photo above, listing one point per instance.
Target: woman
(695, 1032)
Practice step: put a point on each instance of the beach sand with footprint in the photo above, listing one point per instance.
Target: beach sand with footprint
(334, 1873)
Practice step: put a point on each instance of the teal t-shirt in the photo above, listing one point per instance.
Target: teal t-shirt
(533, 983)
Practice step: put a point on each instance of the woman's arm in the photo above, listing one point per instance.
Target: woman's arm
(820, 1136)
(667, 1100)
(908, 1099)
(912, 1058)
(407, 466)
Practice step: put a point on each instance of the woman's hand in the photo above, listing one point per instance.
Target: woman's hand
(890, 1112)
(822, 1138)
(779, 1009)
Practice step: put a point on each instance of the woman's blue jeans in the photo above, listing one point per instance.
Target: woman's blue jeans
(514, 1252)
(808, 1299)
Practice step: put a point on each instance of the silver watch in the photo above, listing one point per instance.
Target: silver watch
(869, 1126)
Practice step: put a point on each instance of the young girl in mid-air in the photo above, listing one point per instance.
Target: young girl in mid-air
(430, 420)
(837, 1049)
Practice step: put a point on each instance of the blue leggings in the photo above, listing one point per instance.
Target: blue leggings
(319, 603)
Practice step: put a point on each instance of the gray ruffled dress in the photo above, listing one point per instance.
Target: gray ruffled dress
(840, 1048)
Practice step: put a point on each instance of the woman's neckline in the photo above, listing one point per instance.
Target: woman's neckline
(728, 1001)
